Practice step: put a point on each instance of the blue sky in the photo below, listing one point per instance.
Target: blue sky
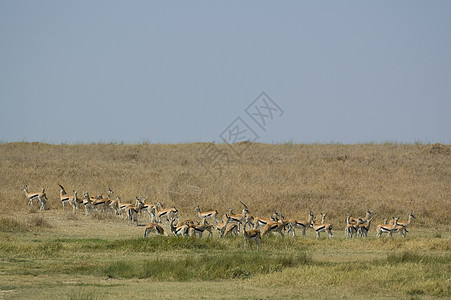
(183, 71)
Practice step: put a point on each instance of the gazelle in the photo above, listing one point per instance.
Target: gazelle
(39, 196)
(100, 204)
(230, 229)
(324, 227)
(87, 203)
(301, 224)
(142, 206)
(350, 229)
(65, 198)
(199, 229)
(153, 227)
(132, 214)
(239, 218)
(119, 207)
(402, 225)
(386, 228)
(221, 226)
(364, 228)
(179, 230)
(225, 228)
(278, 227)
(168, 213)
(251, 235)
(260, 221)
(354, 221)
(76, 202)
(207, 214)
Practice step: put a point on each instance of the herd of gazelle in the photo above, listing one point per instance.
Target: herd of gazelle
(231, 223)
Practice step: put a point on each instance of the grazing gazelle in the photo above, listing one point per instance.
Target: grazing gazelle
(230, 229)
(39, 196)
(153, 227)
(207, 214)
(387, 228)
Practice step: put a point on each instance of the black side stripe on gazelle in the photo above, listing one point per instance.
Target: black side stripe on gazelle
(262, 223)
(320, 228)
(386, 228)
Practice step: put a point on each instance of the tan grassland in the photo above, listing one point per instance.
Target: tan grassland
(54, 254)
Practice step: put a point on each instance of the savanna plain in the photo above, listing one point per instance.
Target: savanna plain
(56, 254)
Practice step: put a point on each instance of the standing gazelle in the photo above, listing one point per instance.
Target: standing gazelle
(168, 213)
(65, 198)
(323, 227)
(39, 196)
(207, 214)
(402, 225)
(239, 219)
(350, 229)
(301, 224)
(364, 228)
(354, 221)
(387, 228)
(251, 235)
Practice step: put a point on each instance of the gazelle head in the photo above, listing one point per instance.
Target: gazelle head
(245, 209)
(197, 209)
(412, 216)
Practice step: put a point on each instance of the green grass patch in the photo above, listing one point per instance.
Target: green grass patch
(236, 265)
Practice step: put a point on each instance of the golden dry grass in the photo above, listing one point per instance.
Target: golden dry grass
(389, 179)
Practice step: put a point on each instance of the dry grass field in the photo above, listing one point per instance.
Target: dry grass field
(54, 254)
